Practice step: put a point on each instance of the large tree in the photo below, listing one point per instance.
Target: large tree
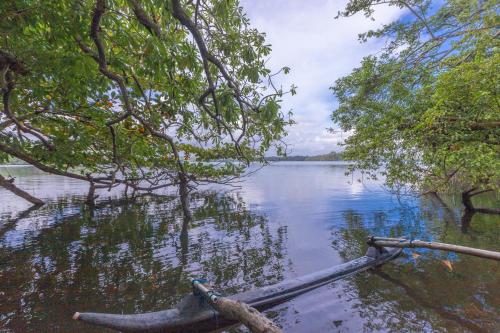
(425, 112)
(139, 93)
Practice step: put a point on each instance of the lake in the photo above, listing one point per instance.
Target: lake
(285, 220)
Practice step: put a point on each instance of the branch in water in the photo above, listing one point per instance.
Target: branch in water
(9, 185)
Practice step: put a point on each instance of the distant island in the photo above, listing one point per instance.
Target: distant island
(333, 156)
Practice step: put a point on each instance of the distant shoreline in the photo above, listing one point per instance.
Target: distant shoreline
(15, 165)
(333, 156)
(273, 159)
(330, 157)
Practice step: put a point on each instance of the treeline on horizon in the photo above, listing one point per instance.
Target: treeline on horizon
(333, 156)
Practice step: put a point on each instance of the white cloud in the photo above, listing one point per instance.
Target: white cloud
(319, 49)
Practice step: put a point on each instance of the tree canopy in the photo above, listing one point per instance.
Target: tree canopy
(141, 93)
(425, 111)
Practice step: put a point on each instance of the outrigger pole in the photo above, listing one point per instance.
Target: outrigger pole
(405, 243)
(236, 310)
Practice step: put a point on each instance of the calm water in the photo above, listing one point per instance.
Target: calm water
(286, 220)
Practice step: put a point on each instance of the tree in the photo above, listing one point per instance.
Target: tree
(136, 93)
(426, 110)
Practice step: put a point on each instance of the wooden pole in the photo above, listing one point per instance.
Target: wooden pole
(237, 311)
(404, 243)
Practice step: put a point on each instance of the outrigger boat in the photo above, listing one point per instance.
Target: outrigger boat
(193, 314)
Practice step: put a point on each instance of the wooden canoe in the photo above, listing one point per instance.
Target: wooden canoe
(193, 314)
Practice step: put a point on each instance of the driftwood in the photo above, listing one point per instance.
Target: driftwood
(238, 311)
(404, 243)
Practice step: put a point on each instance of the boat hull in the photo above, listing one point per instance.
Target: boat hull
(195, 315)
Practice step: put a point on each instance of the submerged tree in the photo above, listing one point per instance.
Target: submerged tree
(136, 93)
(426, 110)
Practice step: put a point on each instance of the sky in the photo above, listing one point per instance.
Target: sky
(319, 49)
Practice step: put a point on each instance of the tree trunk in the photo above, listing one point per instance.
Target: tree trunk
(184, 195)
(91, 195)
(9, 185)
(466, 220)
(469, 206)
(404, 243)
(238, 311)
(467, 201)
(184, 240)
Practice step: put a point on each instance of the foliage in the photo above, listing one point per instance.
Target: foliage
(425, 112)
(141, 93)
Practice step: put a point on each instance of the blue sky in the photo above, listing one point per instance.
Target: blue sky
(319, 49)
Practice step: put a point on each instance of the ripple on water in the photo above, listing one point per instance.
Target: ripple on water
(286, 220)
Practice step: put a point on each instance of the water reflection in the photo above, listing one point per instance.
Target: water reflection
(287, 220)
(423, 295)
(419, 292)
(130, 257)
(423, 301)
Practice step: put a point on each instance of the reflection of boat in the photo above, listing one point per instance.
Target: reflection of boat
(195, 315)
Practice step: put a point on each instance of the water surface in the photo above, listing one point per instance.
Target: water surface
(286, 220)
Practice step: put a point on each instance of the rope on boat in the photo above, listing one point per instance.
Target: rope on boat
(199, 289)
(415, 243)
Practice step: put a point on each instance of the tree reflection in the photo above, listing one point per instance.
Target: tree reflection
(131, 257)
(419, 297)
(466, 220)
(11, 223)
(420, 293)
